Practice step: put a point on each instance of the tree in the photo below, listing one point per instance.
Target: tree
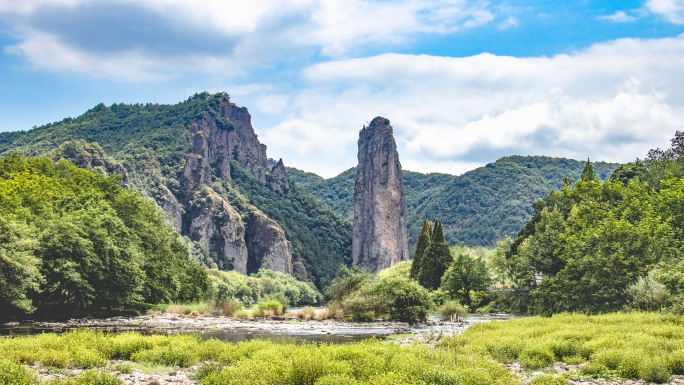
(588, 173)
(436, 260)
(405, 299)
(421, 246)
(466, 274)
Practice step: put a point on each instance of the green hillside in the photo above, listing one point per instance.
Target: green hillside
(478, 208)
(152, 141)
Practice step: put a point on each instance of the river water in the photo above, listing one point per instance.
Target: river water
(322, 334)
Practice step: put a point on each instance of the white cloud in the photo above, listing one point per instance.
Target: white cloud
(220, 37)
(611, 102)
(618, 17)
(672, 10)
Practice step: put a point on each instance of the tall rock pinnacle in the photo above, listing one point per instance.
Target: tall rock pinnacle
(379, 239)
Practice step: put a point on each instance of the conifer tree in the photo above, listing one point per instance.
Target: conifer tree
(588, 173)
(423, 243)
(435, 260)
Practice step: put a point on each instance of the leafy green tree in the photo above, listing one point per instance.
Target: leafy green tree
(435, 261)
(347, 280)
(421, 246)
(20, 276)
(467, 274)
(79, 241)
(405, 300)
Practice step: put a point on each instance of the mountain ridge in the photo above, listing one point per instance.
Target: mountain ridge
(462, 201)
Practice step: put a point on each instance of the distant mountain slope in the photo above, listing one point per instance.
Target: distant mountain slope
(478, 208)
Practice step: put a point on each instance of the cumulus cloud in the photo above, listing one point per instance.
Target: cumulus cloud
(611, 102)
(672, 10)
(158, 38)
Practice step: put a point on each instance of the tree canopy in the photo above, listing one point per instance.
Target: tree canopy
(78, 241)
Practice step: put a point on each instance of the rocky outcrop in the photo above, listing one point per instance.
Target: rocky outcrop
(89, 156)
(266, 244)
(169, 204)
(243, 240)
(379, 233)
(219, 230)
(230, 135)
(277, 178)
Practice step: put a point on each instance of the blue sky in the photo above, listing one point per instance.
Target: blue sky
(463, 82)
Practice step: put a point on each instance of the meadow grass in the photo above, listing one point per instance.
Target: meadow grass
(638, 345)
(251, 362)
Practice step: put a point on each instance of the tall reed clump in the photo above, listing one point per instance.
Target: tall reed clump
(636, 345)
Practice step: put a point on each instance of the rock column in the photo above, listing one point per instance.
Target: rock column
(379, 239)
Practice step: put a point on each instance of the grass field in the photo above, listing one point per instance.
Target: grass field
(646, 346)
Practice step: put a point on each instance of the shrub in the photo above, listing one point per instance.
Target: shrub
(361, 306)
(647, 294)
(12, 373)
(675, 362)
(404, 298)
(269, 308)
(452, 310)
(654, 370)
(227, 307)
(347, 280)
(537, 357)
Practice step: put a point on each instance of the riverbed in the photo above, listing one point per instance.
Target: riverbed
(240, 329)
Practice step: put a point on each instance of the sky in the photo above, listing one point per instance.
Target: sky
(463, 82)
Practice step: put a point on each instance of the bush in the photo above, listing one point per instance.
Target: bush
(405, 299)
(537, 357)
(361, 306)
(452, 310)
(12, 373)
(347, 280)
(647, 294)
(654, 370)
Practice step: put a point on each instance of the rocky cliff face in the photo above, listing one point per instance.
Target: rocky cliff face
(379, 233)
(243, 239)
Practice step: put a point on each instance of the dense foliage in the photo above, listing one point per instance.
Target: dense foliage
(256, 361)
(77, 241)
(391, 295)
(645, 346)
(478, 208)
(465, 275)
(266, 284)
(592, 242)
(435, 260)
(151, 142)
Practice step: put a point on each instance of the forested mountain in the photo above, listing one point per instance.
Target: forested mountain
(201, 161)
(478, 208)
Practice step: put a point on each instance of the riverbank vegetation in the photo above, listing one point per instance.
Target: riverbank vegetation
(634, 345)
(253, 362)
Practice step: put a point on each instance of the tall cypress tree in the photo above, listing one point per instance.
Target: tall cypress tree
(423, 242)
(588, 173)
(435, 260)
